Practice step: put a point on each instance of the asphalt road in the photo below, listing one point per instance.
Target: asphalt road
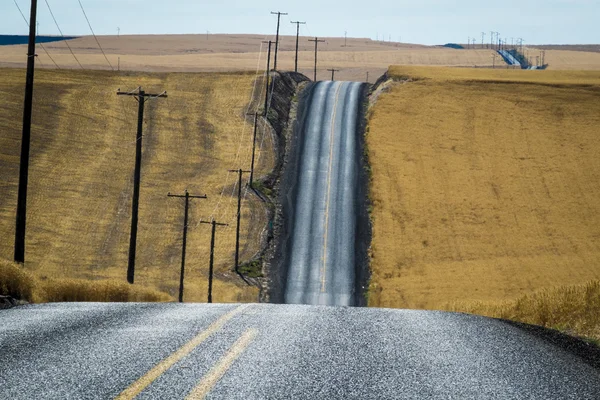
(177, 351)
(321, 253)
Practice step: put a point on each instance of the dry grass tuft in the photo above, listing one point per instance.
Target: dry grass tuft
(571, 309)
(21, 284)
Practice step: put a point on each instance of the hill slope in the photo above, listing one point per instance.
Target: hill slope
(83, 153)
(485, 185)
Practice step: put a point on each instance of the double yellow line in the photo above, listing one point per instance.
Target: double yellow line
(328, 200)
(213, 376)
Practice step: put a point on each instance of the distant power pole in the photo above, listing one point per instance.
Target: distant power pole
(279, 14)
(492, 40)
(367, 76)
(187, 198)
(253, 147)
(482, 40)
(268, 76)
(214, 225)
(345, 38)
(239, 217)
(118, 32)
(141, 98)
(317, 41)
(21, 217)
(298, 23)
(469, 42)
(333, 71)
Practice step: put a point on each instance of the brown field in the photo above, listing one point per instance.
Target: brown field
(83, 153)
(485, 185)
(199, 53)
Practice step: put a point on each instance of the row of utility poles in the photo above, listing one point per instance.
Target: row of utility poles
(142, 98)
(496, 42)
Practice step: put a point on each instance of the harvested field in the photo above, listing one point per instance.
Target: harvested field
(484, 185)
(81, 176)
(199, 53)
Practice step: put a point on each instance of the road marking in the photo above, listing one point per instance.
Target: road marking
(216, 373)
(331, 137)
(138, 386)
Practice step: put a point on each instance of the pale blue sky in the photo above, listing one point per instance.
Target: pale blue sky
(417, 21)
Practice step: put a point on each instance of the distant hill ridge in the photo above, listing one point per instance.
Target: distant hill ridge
(8, 40)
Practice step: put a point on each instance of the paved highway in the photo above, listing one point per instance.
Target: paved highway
(320, 256)
(179, 351)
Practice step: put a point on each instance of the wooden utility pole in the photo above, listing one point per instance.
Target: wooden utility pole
(239, 217)
(298, 23)
(482, 40)
(187, 198)
(268, 76)
(21, 217)
(279, 14)
(367, 76)
(141, 98)
(214, 225)
(253, 147)
(333, 71)
(317, 41)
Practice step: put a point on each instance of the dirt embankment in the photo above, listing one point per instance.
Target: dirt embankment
(285, 88)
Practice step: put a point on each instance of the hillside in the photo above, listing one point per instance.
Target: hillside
(83, 154)
(208, 53)
(484, 185)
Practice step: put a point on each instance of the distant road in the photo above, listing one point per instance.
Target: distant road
(320, 252)
(173, 351)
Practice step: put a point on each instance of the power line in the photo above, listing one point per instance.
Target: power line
(41, 44)
(61, 34)
(90, 25)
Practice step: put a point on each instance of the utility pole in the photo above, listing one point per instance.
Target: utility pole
(298, 23)
(483, 40)
(367, 76)
(333, 71)
(253, 147)
(494, 62)
(239, 216)
(268, 76)
(141, 98)
(118, 32)
(317, 41)
(21, 216)
(468, 42)
(345, 38)
(187, 198)
(279, 14)
(492, 40)
(214, 225)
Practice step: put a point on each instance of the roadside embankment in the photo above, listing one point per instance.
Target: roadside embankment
(483, 189)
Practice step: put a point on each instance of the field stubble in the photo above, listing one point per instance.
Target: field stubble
(484, 186)
(81, 176)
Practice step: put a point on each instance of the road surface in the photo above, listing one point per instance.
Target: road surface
(320, 255)
(179, 351)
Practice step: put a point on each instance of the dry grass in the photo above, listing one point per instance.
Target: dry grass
(571, 309)
(485, 185)
(15, 281)
(83, 153)
(196, 53)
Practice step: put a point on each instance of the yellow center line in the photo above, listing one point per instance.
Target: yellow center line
(138, 386)
(210, 380)
(331, 140)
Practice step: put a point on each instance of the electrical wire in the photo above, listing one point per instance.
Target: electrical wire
(41, 44)
(61, 34)
(90, 25)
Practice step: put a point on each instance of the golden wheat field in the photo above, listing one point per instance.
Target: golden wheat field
(484, 185)
(81, 176)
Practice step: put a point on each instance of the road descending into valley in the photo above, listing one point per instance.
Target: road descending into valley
(320, 254)
(260, 351)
